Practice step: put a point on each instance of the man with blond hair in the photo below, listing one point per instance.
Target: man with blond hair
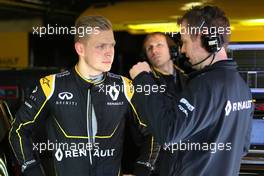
(84, 108)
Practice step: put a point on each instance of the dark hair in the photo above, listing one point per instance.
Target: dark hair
(208, 16)
(100, 22)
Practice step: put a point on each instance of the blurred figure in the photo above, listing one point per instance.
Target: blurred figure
(157, 50)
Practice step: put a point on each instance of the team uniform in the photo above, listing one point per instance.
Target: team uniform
(151, 152)
(85, 123)
(205, 130)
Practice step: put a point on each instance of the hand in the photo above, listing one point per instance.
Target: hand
(138, 68)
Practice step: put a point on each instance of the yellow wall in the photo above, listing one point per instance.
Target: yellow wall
(248, 34)
(13, 49)
(124, 14)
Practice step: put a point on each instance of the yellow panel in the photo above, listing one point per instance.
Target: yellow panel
(13, 49)
(123, 15)
(247, 34)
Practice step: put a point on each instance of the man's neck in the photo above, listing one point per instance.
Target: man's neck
(86, 71)
(220, 55)
(166, 68)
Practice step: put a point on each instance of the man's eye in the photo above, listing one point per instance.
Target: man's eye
(100, 46)
(160, 45)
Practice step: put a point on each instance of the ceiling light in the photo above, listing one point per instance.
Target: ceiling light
(188, 6)
(154, 27)
(252, 22)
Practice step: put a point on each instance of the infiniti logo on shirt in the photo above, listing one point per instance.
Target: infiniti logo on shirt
(65, 95)
(66, 98)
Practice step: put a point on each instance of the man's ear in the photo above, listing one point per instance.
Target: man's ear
(79, 48)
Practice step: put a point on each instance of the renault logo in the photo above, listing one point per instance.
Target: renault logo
(59, 155)
(228, 108)
(113, 92)
(65, 95)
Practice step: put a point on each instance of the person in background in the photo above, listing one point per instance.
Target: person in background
(157, 51)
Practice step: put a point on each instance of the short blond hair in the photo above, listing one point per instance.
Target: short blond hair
(100, 22)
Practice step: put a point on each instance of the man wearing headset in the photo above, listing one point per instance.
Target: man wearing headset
(157, 49)
(206, 128)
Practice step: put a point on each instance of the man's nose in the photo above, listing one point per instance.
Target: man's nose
(183, 49)
(109, 51)
(154, 50)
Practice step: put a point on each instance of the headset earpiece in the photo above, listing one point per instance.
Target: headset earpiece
(211, 43)
(174, 52)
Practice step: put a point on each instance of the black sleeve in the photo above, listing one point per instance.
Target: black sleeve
(149, 152)
(248, 135)
(171, 120)
(148, 147)
(20, 136)
(143, 146)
